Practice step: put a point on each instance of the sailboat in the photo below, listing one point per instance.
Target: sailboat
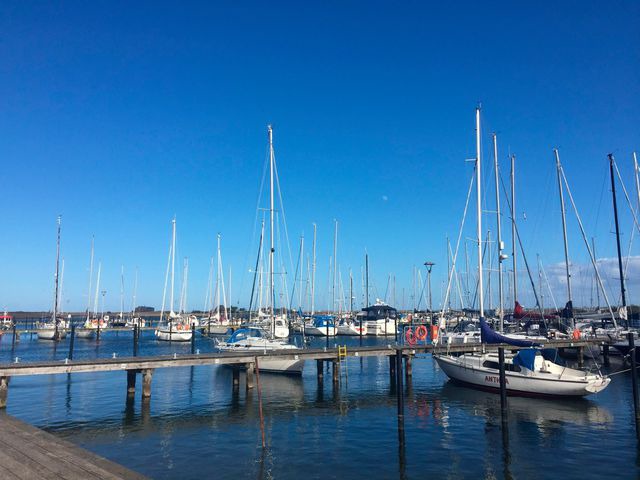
(217, 322)
(527, 372)
(53, 330)
(175, 328)
(264, 339)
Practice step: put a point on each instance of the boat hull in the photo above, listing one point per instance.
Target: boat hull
(84, 333)
(49, 334)
(320, 331)
(174, 335)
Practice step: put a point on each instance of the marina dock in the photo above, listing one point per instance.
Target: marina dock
(29, 453)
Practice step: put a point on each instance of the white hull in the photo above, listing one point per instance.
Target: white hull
(260, 345)
(173, 335)
(84, 333)
(381, 328)
(320, 331)
(556, 381)
(49, 333)
(351, 329)
(215, 329)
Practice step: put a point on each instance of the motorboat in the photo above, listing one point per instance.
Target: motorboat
(380, 319)
(351, 327)
(321, 326)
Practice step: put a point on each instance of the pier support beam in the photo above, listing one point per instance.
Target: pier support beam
(320, 368)
(605, 355)
(131, 382)
(580, 357)
(408, 368)
(4, 391)
(236, 378)
(250, 371)
(147, 374)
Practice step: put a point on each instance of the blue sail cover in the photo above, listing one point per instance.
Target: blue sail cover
(526, 359)
(490, 336)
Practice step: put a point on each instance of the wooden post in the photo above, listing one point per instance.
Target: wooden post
(336, 372)
(71, 341)
(4, 391)
(146, 382)
(236, 377)
(15, 336)
(408, 368)
(136, 333)
(503, 386)
(131, 382)
(580, 357)
(249, 379)
(320, 368)
(634, 382)
(193, 338)
(392, 370)
(605, 355)
(399, 390)
(260, 402)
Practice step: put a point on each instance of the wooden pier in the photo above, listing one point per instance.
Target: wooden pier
(244, 359)
(29, 453)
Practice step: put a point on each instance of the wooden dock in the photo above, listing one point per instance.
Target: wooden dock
(29, 453)
(146, 365)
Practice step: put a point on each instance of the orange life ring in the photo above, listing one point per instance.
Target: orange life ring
(421, 333)
(409, 336)
(576, 334)
(434, 332)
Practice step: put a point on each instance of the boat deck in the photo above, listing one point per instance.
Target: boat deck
(27, 452)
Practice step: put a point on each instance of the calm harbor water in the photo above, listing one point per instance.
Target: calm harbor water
(195, 427)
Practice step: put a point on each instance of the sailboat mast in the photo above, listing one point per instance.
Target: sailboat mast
(55, 279)
(313, 272)
(501, 255)
(272, 295)
(615, 217)
(335, 265)
(121, 291)
(350, 291)
(635, 170)
(564, 231)
(90, 279)
(514, 248)
(218, 270)
(479, 213)
(366, 279)
(135, 293)
(173, 260)
(95, 303)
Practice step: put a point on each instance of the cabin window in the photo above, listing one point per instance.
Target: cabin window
(508, 367)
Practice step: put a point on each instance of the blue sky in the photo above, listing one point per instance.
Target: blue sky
(120, 115)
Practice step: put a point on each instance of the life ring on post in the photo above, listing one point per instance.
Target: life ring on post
(410, 336)
(421, 333)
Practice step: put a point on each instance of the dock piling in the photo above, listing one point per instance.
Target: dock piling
(320, 369)
(136, 333)
(71, 341)
(260, 402)
(147, 374)
(503, 386)
(131, 382)
(408, 368)
(580, 357)
(634, 382)
(193, 338)
(250, 372)
(4, 391)
(236, 377)
(336, 372)
(605, 355)
(392, 371)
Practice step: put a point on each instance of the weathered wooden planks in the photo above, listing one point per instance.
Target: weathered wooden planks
(29, 453)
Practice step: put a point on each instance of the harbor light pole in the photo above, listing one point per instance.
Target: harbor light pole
(429, 266)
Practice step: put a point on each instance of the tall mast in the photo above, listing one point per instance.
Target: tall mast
(335, 265)
(564, 233)
(448, 271)
(173, 260)
(615, 217)
(95, 303)
(479, 214)
(218, 270)
(501, 256)
(514, 240)
(313, 272)
(135, 293)
(366, 279)
(272, 295)
(350, 292)
(61, 301)
(121, 291)
(301, 262)
(90, 279)
(55, 279)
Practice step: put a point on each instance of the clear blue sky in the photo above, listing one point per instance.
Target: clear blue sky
(120, 115)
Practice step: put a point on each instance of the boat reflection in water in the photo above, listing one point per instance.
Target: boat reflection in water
(545, 413)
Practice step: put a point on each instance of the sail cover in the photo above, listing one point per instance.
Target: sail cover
(490, 336)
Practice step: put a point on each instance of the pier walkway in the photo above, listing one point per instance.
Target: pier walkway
(29, 453)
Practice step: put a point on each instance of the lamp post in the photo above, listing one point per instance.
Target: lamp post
(429, 266)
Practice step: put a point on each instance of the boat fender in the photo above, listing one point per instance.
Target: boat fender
(421, 333)
(410, 337)
(576, 334)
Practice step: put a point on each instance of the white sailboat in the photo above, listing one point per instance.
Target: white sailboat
(175, 328)
(53, 330)
(265, 339)
(527, 372)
